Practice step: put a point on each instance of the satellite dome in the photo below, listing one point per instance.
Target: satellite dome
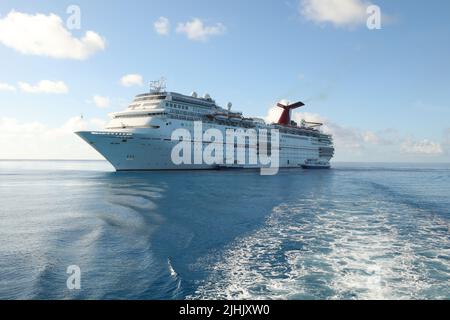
(207, 96)
(194, 94)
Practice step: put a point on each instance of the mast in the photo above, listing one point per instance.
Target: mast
(158, 86)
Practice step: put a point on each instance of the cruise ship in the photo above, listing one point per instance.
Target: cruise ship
(140, 137)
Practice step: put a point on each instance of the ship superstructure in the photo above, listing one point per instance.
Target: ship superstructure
(140, 137)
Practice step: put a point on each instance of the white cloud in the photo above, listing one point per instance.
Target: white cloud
(336, 12)
(132, 80)
(351, 139)
(34, 140)
(100, 101)
(162, 26)
(44, 86)
(356, 144)
(7, 87)
(46, 35)
(423, 147)
(446, 142)
(197, 31)
(370, 137)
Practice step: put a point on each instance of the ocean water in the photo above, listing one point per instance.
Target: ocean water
(357, 231)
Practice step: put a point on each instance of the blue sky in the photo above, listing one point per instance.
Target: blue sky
(383, 93)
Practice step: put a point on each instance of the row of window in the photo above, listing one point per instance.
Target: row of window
(148, 104)
(140, 115)
(196, 102)
(150, 98)
(186, 117)
(197, 110)
(178, 106)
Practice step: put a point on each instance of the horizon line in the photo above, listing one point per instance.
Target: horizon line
(340, 161)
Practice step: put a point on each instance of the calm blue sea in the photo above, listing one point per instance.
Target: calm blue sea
(357, 231)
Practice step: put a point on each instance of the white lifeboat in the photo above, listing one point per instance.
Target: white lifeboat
(235, 119)
(221, 116)
(247, 121)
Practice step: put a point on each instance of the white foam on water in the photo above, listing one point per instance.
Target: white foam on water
(172, 271)
(338, 250)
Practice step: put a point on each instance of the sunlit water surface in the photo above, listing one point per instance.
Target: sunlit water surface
(357, 231)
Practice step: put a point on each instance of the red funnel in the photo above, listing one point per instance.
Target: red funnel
(285, 118)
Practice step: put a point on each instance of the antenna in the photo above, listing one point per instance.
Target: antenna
(158, 86)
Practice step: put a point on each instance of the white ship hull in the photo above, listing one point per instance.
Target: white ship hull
(128, 151)
(136, 152)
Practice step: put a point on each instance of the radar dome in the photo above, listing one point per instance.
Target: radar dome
(194, 94)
